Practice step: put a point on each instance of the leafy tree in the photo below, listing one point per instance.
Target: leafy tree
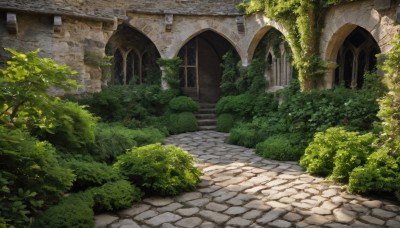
(25, 85)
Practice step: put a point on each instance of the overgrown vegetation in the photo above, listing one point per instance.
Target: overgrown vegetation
(50, 146)
(303, 20)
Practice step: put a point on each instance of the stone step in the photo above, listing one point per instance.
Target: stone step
(207, 128)
(207, 122)
(206, 111)
(205, 116)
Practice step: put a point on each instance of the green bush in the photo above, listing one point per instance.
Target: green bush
(114, 139)
(91, 174)
(230, 74)
(74, 129)
(129, 102)
(225, 122)
(240, 105)
(280, 147)
(32, 166)
(183, 104)
(182, 122)
(160, 170)
(336, 152)
(114, 196)
(72, 211)
(379, 175)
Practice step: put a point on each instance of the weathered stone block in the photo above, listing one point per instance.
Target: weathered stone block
(12, 25)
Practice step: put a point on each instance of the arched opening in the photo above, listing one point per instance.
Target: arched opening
(277, 54)
(135, 57)
(356, 56)
(200, 72)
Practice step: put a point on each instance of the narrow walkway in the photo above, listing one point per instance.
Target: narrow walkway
(241, 189)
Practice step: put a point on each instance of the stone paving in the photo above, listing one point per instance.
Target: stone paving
(241, 189)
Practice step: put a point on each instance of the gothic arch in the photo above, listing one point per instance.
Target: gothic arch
(257, 26)
(199, 32)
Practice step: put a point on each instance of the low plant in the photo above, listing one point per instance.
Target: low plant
(159, 170)
(114, 139)
(240, 105)
(114, 195)
(337, 152)
(280, 147)
(379, 175)
(225, 122)
(182, 122)
(183, 104)
(91, 174)
(73, 211)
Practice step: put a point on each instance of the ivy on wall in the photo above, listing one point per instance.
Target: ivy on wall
(304, 20)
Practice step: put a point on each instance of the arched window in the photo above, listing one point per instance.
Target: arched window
(356, 56)
(118, 66)
(188, 69)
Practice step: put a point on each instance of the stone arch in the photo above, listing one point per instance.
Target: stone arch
(132, 44)
(257, 26)
(192, 35)
(341, 20)
(201, 71)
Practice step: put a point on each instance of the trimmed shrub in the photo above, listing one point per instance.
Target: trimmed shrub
(280, 147)
(379, 175)
(240, 105)
(91, 174)
(182, 122)
(225, 122)
(114, 139)
(159, 170)
(336, 152)
(114, 195)
(243, 135)
(72, 211)
(183, 104)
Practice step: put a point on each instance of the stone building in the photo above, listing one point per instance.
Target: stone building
(80, 32)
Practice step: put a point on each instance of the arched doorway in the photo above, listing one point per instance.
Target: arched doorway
(134, 57)
(200, 72)
(278, 59)
(356, 56)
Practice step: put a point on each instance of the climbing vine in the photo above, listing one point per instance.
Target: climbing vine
(303, 19)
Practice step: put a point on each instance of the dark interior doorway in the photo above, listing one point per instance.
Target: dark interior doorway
(201, 71)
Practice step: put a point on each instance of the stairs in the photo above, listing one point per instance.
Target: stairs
(206, 117)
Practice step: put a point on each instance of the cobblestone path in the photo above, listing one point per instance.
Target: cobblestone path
(241, 189)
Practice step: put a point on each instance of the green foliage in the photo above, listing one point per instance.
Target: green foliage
(91, 174)
(160, 170)
(225, 122)
(182, 122)
(281, 147)
(74, 128)
(240, 105)
(24, 88)
(171, 71)
(390, 103)
(336, 152)
(303, 20)
(380, 175)
(129, 104)
(16, 205)
(73, 211)
(230, 74)
(183, 104)
(114, 195)
(32, 166)
(114, 139)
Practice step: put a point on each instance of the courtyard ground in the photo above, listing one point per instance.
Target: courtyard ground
(241, 189)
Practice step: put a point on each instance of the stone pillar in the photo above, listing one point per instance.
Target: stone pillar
(330, 75)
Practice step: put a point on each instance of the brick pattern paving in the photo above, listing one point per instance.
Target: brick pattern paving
(241, 189)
